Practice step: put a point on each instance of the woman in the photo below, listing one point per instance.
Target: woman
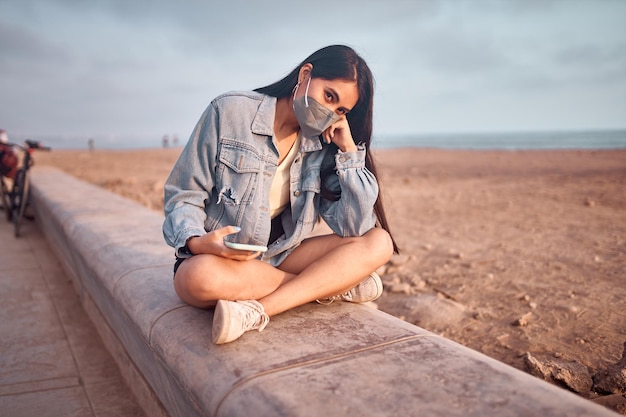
(261, 168)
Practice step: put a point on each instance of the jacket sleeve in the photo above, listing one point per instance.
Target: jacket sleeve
(353, 213)
(188, 187)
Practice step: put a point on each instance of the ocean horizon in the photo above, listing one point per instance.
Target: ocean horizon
(539, 140)
(580, 139)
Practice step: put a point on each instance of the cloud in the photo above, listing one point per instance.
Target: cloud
(131, 66)
(593, 64)
(24, 49)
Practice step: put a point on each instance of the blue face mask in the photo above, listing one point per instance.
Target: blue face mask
(312, 116)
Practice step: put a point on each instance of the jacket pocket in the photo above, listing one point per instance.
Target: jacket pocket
(311, 181)
(239, 159)
(237, 174)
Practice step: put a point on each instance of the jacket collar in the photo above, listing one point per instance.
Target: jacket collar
(263, 124)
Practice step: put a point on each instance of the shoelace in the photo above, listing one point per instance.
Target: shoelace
(255, 308)
(329, 300)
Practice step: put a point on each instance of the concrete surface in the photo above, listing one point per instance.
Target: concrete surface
(52, 361)
(337, 360)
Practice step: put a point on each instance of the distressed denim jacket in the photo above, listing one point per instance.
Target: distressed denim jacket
(223, 177)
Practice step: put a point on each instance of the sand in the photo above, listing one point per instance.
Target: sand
(516, 254)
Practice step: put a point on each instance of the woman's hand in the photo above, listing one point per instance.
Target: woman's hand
(340, 134)
(213, 243)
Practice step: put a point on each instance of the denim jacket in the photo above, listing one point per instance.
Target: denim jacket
(224, 173)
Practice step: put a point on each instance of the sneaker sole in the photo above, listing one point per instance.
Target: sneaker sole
(221, 318)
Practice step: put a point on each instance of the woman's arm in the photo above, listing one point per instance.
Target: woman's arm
(353, 213)
(189, 184)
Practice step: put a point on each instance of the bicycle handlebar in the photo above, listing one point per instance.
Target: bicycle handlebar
(31, 144)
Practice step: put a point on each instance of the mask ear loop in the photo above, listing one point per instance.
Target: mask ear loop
(306, 92)
(293, 99)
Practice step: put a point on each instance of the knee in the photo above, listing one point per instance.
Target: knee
(380, 245)
(193, 285)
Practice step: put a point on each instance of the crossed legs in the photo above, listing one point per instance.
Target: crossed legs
(320, 267)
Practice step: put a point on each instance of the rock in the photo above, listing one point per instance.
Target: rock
(483, 315)
(400, 288)
(616, 402)
(389, 280)
(435, 312)
(612, 379)
(503, 340)
(589, 202)
(571, 375)
(418, 284)
(399, 260)
(523, 321)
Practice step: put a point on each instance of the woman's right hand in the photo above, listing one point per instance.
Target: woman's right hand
(213, 243)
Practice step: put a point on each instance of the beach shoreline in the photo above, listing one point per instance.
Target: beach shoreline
(507, 252)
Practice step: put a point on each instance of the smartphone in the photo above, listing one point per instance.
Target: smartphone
(243, 246)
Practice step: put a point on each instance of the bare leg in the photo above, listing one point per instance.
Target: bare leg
(203, 279)
(326, 266)
(320, 267)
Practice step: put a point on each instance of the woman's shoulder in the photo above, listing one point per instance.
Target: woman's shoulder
(238, 99)
(245, 108)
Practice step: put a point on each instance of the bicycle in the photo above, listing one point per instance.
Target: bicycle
(16, 198)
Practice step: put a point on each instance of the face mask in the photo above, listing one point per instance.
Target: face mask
(312, 117)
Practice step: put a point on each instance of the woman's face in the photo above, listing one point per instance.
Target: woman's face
(338, 95)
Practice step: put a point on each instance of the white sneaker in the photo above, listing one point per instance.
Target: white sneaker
(234, 318)
(367, 290)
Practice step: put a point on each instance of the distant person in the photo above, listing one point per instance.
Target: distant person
(92, 145)
(165, 141)
(261, 167)
(8, 158)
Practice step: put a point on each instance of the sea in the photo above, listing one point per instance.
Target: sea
(580, 139)
(583, 139)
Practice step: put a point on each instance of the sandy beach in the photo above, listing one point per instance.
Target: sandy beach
(520, 255)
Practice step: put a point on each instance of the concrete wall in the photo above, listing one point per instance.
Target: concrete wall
(340, 359)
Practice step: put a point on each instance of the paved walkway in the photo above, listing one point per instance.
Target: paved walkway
(52, 360)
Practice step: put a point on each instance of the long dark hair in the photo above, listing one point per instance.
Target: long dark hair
(342, 62)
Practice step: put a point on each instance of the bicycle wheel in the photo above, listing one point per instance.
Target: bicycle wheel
(20, 199)
(6, 199)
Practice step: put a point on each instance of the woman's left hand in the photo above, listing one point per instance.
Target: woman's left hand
(340, 134)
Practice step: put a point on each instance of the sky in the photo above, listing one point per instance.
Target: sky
(105, 68)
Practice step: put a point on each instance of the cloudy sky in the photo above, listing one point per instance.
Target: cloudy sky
(122, 67)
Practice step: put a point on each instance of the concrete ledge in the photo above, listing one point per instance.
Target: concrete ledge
(341, 359)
